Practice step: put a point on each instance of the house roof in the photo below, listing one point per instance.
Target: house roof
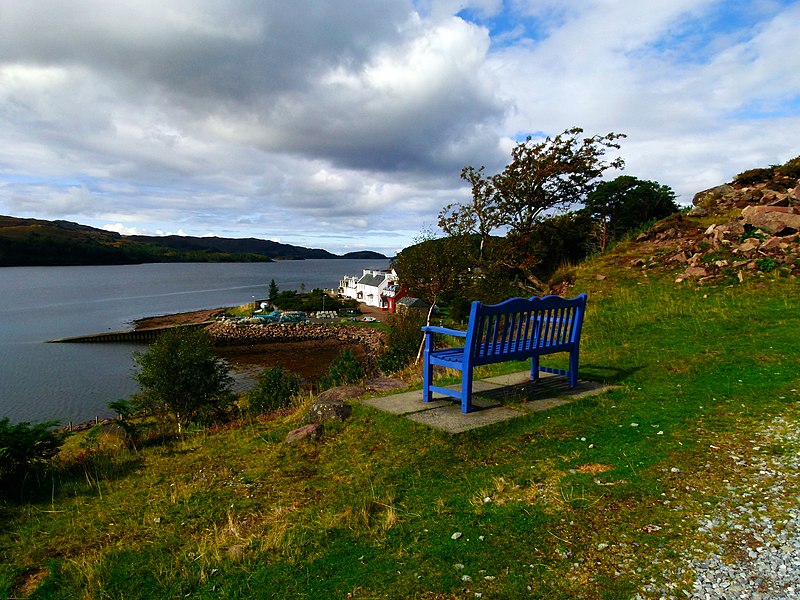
(411, 302)
(373, 280)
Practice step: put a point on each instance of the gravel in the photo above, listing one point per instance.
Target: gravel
(748, 546)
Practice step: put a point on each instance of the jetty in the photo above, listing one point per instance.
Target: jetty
(135, 336)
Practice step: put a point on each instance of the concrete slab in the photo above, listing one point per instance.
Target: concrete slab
(452, 420)
(478, 385)
(489, 400)
(405, 403)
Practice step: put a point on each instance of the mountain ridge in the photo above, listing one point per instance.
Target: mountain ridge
(39, 242)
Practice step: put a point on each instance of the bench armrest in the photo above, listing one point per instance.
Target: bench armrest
(444, 331)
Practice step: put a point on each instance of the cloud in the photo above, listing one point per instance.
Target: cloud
(338, 124)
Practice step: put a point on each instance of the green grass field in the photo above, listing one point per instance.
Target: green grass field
(567, 503)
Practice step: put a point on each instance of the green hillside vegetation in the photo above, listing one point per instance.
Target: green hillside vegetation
(693, 320)
(577, 501)
(34, 242)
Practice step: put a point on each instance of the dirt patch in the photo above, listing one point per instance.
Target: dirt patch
(187, 318)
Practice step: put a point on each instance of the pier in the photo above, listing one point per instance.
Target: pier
(136, 336)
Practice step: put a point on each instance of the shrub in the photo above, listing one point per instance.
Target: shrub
(766, 264)
(344, 370)
(182, 380)
(25, 450)
(403, 340)
(791, 168)
(755, 176)
(275, 389)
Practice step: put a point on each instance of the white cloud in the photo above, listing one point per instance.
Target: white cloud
(339, 124)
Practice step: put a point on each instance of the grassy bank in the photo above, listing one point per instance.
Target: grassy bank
(572, 502)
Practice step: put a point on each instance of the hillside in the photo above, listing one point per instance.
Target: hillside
(676, 483)
(737, 232)
(35, 242)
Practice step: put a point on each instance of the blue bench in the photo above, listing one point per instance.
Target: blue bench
(516, 329)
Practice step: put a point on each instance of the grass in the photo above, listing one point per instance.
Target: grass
(571, 502)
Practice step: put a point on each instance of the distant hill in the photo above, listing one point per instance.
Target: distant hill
(36, 242)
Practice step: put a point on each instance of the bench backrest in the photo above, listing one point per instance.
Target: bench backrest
(516, 327)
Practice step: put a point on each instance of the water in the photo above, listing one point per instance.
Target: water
(75, 382)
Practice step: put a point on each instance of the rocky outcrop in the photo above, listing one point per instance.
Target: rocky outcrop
(755, 231)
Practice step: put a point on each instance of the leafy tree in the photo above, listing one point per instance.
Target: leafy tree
(25, 450)
(181, 379)
(541, 176)
(433, 267)
(627, 203)
(481, 216)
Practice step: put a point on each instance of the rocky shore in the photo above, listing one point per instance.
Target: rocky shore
(372, 340)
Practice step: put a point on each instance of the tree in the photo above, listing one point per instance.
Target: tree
(627, 203)
(480, 216)
(432, 267)
(554, 173)
(181, 379)
(273, 291)
(541, 177)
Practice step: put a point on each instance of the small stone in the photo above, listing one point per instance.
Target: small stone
(466, 578)
(602, 546)
(458, 567)
(456, 535)
(487, 500)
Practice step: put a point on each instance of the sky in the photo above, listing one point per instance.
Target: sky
(344, 124)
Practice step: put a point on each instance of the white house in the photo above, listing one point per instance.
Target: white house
(373, 287)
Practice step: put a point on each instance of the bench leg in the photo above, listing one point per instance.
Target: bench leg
(466, 390)
(573, 368)
(427, 379)
(427, 370)
(535, 368)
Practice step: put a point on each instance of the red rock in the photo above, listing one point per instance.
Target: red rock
(311, 431)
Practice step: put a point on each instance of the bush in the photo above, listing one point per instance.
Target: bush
(345, 370)
(182, 380)
(791, 168)
(755, 176)
(25, 450)
(275, 389)
(403, 340)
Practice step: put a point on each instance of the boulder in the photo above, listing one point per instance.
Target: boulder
(328, 410)
(708, 198)
(695, 272)
(777, 220)
(312, 431)
(342, 393)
